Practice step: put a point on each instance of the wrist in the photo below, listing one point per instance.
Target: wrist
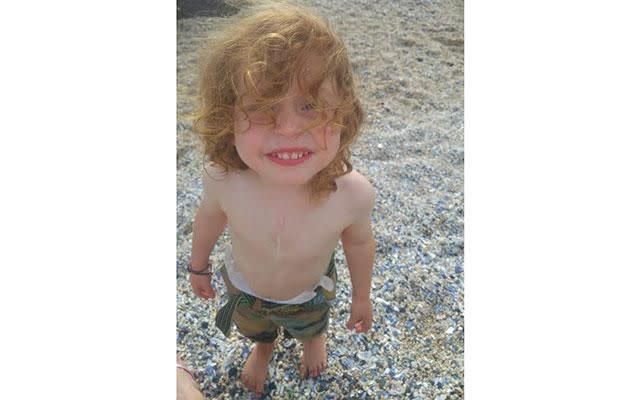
(197, 269)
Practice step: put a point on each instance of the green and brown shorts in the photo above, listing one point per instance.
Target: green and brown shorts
(260, 320)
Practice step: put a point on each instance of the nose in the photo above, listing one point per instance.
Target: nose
(288, 121)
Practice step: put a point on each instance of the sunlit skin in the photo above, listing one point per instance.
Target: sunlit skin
(281, 240)
(262, 142)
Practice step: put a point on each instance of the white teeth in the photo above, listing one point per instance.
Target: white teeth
(289, 156)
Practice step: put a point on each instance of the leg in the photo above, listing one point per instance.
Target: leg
(263, 332)
(256, 367)
(314, 357)
(308, 323)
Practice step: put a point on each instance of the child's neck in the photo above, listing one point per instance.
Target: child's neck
(282, 190)
(289, 191)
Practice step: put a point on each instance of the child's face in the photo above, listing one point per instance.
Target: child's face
(287, 151)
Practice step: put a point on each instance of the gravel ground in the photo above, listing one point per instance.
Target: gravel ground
(409, 60)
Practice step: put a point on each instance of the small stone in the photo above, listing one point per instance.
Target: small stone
(364, 355)
(347, 363)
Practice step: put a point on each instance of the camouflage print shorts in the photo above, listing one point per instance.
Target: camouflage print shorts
(260, 320)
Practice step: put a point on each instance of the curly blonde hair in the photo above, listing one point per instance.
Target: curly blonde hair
(260, 56)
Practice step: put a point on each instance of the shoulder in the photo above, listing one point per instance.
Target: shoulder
(355, 184)
(357, 190)
(216, 182)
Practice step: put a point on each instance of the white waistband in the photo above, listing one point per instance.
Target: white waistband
(238, 281)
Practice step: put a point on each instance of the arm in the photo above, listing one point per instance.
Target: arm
(207, 227)
(359, 247)
(209, 223)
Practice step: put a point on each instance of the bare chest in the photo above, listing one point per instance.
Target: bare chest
(284, 230)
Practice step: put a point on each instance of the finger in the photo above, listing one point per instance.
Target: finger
(202, 292)
(359, 327)
(352, 321)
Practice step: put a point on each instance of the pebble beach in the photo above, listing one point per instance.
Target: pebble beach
(408, 59)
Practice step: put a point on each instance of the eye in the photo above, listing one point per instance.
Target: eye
(250, 109)
(307, 108)
(259, 115)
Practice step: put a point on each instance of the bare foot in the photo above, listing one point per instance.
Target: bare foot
(256, 367)
(314, 357)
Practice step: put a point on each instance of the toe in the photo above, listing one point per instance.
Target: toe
(248, 383)
(303, 370)
(259, 388)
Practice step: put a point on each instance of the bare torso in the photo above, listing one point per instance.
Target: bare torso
(281, 241)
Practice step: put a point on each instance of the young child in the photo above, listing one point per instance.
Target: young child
(278, 113)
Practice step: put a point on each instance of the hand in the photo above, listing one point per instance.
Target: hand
(360, 316)
(201, 286)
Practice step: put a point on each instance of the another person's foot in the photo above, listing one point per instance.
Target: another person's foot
(256, 367)
(187, 388)
(314, 358)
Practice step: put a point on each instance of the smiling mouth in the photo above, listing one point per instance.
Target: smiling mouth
(289, 157)
(296, 155)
